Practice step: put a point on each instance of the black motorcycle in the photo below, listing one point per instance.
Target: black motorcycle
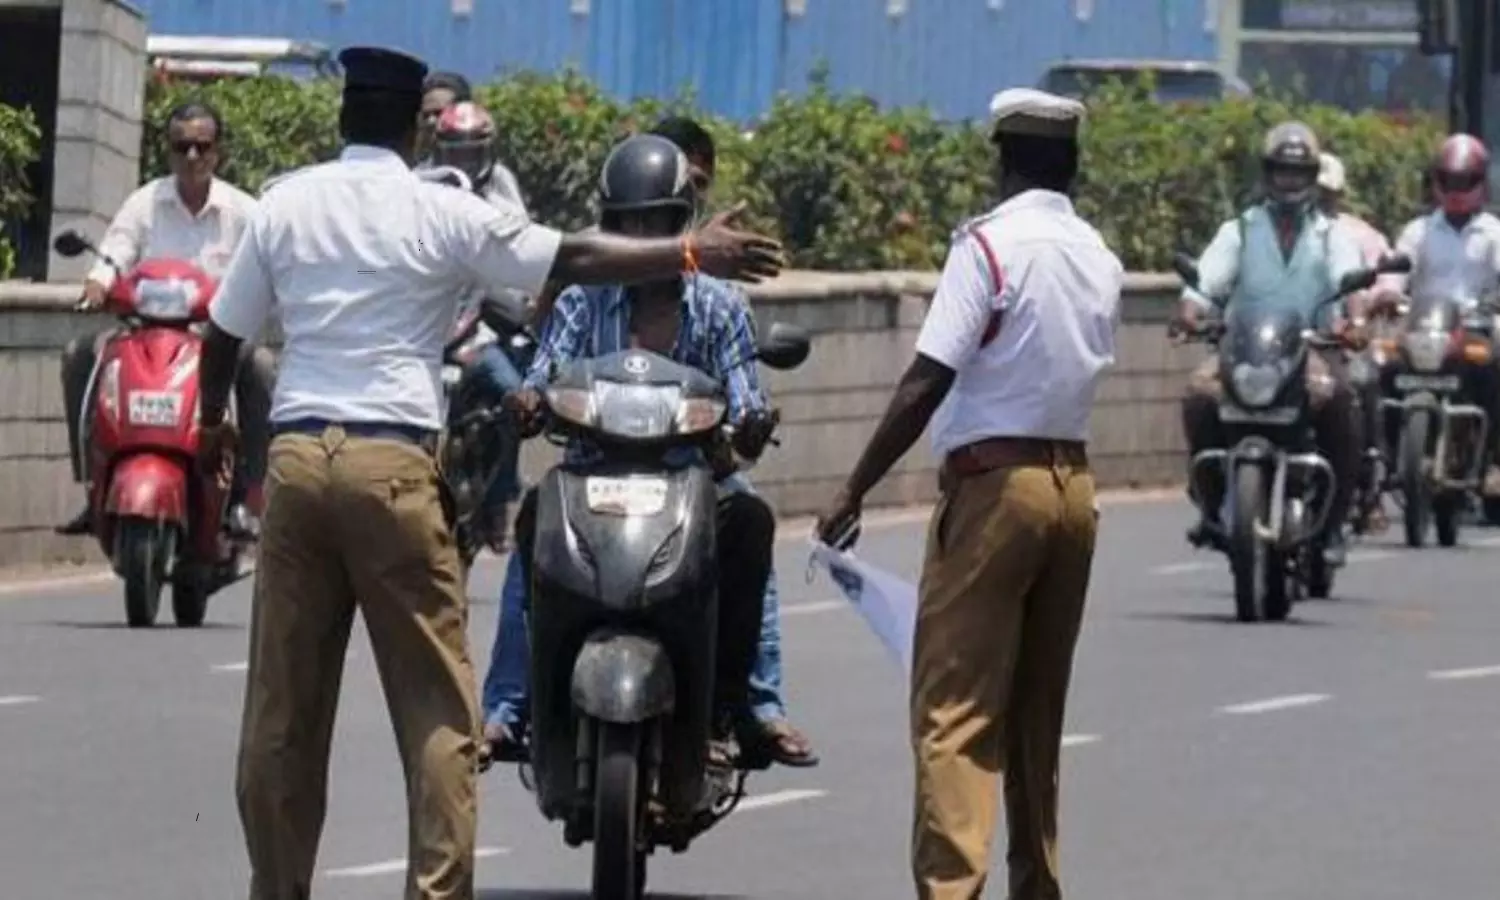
(623, 612)
(1278, 488)
(480, 439)
(1433, 408)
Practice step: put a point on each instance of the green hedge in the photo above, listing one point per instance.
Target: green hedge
(19, 144)
(844, 183)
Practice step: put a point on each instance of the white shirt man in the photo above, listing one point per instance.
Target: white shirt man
(154, 222)
(1457, 263)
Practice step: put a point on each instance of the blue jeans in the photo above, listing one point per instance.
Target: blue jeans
(507, 681)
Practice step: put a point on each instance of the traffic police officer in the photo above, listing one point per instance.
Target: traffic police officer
(367, 265)
(1020, 330)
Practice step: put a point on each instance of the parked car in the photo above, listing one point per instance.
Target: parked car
(1177, 81)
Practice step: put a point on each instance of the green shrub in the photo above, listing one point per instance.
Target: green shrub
(847, 185)
(20, 142)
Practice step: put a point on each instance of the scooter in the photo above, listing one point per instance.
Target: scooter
(158, 518)
(623, 613)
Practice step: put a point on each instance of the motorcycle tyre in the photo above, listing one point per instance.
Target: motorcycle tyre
(189, 601)
(1415, 490)
(1260, 592)
(1446, 512)
(141, 543)
(619, 863)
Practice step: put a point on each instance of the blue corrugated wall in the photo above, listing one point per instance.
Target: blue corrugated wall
(950, 54)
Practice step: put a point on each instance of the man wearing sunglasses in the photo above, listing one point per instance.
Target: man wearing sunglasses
(1455, 251)
(190, 215)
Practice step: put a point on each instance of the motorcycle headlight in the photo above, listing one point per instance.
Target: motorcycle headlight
(1256, 385)
(1425, 349)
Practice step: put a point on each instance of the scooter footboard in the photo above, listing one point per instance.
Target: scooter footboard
(623, 677)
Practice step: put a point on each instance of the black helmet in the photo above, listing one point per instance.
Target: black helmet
(645, 172)
(1290, 163)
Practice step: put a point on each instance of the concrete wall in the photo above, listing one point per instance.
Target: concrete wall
(100, 94)
(865, 327)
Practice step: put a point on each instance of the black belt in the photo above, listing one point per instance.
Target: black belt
(415, 435)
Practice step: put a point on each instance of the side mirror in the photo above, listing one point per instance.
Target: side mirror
(1186, 269)
(70, 244)
(784, 346)
(1395, 264)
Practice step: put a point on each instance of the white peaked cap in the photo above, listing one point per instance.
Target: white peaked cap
(1037, 113)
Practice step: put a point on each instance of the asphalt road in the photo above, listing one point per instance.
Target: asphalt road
(1350, 754)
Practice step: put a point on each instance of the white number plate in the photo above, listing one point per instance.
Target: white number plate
(1282, 416)
(626, 496)
(155, 409)
(1409, 382)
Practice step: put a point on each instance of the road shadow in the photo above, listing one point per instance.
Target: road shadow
(162, 627)
(1221, 618)
(544, 894)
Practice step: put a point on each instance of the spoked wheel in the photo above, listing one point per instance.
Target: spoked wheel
(619, 860)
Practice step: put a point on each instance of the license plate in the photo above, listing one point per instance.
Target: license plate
(1282, 416)
(155, 409)
(452, 375)
(1409, 382)
(626, 496)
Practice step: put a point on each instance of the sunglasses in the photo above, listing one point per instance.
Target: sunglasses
(183, 148)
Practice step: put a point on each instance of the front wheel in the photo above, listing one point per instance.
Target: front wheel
(142, 550)
(1259, 576)
(619, 861)
(1416, 490)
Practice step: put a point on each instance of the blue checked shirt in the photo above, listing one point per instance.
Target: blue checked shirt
(716, 336)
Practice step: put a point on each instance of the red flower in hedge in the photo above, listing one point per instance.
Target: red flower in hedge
(895, 143)
(903, 221)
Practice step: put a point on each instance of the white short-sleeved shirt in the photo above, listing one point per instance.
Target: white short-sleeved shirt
(1459, 264)
(154, 222)
(1025, 313)
(368, 265)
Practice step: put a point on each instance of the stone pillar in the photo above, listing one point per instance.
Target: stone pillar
(100, 98)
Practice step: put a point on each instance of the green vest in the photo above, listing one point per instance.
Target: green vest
(1267, 276)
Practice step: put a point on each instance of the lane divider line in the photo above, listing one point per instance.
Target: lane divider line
(1274, 704)
(779, 798)
(18, 699)
(1464, 674)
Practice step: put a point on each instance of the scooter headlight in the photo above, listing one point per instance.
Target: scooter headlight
(1256, 386)
(1425, 349)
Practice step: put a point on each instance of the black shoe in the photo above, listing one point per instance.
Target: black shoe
(81, 524)
(1203, 534)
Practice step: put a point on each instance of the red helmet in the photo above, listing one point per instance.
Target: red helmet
(1460, 175)
(465, 139)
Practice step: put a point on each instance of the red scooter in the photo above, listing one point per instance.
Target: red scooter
(158, 517)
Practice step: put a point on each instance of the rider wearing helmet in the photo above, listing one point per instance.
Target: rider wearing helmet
(646, 190)
(1455, 250)
(465, 138)
(1282, 250)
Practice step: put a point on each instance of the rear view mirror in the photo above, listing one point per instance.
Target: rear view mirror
(1186, 269)
(1396, 264)
(1357, 280)
(784, 346)
(70, 244)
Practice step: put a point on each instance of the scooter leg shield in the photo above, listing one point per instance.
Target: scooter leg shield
(150, 487)
(623, 678)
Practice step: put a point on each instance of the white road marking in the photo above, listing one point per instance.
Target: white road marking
(779, 798)
(1273, 704)
(1078, 740)
(18, 699)
(232, 667)
(808, 609)
(1461, 674)
(1183, 568)
(398, 866)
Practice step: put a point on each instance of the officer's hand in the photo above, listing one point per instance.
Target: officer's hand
(727, 252)
(838, 526)
(753, 432)
(526, 405)
(93, 296)
(217, 447)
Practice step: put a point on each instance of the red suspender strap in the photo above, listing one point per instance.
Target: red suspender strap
(997, 281)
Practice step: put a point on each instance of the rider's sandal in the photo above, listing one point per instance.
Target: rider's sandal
(781, 743)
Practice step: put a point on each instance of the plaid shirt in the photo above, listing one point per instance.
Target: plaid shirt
(716, 336)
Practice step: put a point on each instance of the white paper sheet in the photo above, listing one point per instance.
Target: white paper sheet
(887, 603)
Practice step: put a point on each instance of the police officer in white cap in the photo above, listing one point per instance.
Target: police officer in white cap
(367, 265)
(1021, 328)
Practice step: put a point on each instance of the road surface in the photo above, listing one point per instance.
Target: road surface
(1353, 754)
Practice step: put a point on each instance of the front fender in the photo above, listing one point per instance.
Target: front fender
(149, 486)
(623, 678)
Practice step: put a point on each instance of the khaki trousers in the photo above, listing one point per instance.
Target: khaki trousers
(357, 523)
(1002, 597)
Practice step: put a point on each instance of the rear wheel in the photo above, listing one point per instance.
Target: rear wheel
(619, 861)
(190, 600)
(1446, 511)
(1415, 488)
(141, 549)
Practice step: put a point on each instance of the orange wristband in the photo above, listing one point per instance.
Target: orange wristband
(689, 255)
